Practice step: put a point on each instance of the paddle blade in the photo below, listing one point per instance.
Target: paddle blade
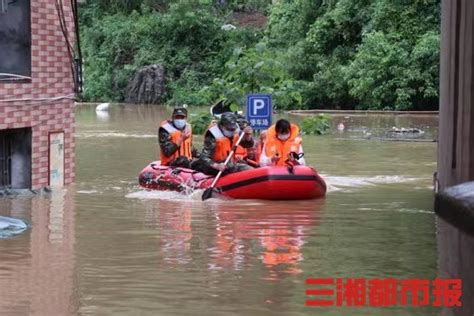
(207, 194)
(211, 192)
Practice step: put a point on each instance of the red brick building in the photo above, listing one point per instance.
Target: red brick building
(37, 87)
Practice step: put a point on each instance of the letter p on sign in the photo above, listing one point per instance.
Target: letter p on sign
(258, 106)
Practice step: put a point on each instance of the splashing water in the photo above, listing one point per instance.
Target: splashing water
(188, 195)
(335, 183)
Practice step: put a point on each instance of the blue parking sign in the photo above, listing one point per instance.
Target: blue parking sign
(259, 110)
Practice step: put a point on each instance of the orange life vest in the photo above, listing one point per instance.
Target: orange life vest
(281, 148)
(186, 146)
(258, 152)
(223, 144)
(259, 145)
(240, 153)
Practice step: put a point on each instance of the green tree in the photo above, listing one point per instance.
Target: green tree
(367, 54)
(257, 69)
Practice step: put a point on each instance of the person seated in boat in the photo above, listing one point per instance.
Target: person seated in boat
(218, 142)
(282, 146)
(252, 154)
(250, 157)
(241, 152)
(245, 155)
(256, 152)
(175, 139)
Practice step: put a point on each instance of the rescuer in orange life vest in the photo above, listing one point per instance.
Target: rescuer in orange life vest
(282, 146)
(218, 142)
(175, 138)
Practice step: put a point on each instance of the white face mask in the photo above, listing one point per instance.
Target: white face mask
(179, 123)
(228, 133)
(283, 136)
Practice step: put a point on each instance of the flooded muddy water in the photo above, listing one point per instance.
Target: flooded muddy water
(103, 246)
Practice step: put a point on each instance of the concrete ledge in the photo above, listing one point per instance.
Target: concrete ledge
(24, 192)
(456, 206)
(362, 112)
(86, 103)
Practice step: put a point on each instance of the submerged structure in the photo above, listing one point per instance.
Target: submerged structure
(40, 75)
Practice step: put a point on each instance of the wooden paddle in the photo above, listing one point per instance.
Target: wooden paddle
(208, 192)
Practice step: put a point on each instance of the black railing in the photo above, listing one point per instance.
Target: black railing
(5, 161)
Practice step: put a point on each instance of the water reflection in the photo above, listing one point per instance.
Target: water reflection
(102, 116)
(37, 268)
(275, 233)
(173, 221)
(254, 234)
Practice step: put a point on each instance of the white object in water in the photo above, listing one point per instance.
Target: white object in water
(340, 126)
(102, 115)
(11, 223)
(103, 107)
(228, 27)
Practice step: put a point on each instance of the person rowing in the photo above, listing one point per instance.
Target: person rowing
(219, 141)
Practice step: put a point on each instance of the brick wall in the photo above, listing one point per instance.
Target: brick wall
(51, 78)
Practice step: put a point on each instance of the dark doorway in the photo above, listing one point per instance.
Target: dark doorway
(15, 159)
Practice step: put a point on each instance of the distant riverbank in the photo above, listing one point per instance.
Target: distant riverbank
(361, 112)
(323, 111)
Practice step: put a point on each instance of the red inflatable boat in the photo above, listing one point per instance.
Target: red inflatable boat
(267, 183)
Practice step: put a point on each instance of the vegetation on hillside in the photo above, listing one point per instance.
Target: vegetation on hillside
(342, 54)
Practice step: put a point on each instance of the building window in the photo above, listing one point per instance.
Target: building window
(15, 40)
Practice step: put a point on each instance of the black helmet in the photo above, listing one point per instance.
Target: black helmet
(242, 121)
(180, 111)
(228, 120)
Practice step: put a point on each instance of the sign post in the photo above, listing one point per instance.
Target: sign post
(56, 159)
(259, 110)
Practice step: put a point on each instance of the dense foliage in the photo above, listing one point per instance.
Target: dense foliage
(316, 125)
(186, 38)
(200, 122)
(363, 54)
